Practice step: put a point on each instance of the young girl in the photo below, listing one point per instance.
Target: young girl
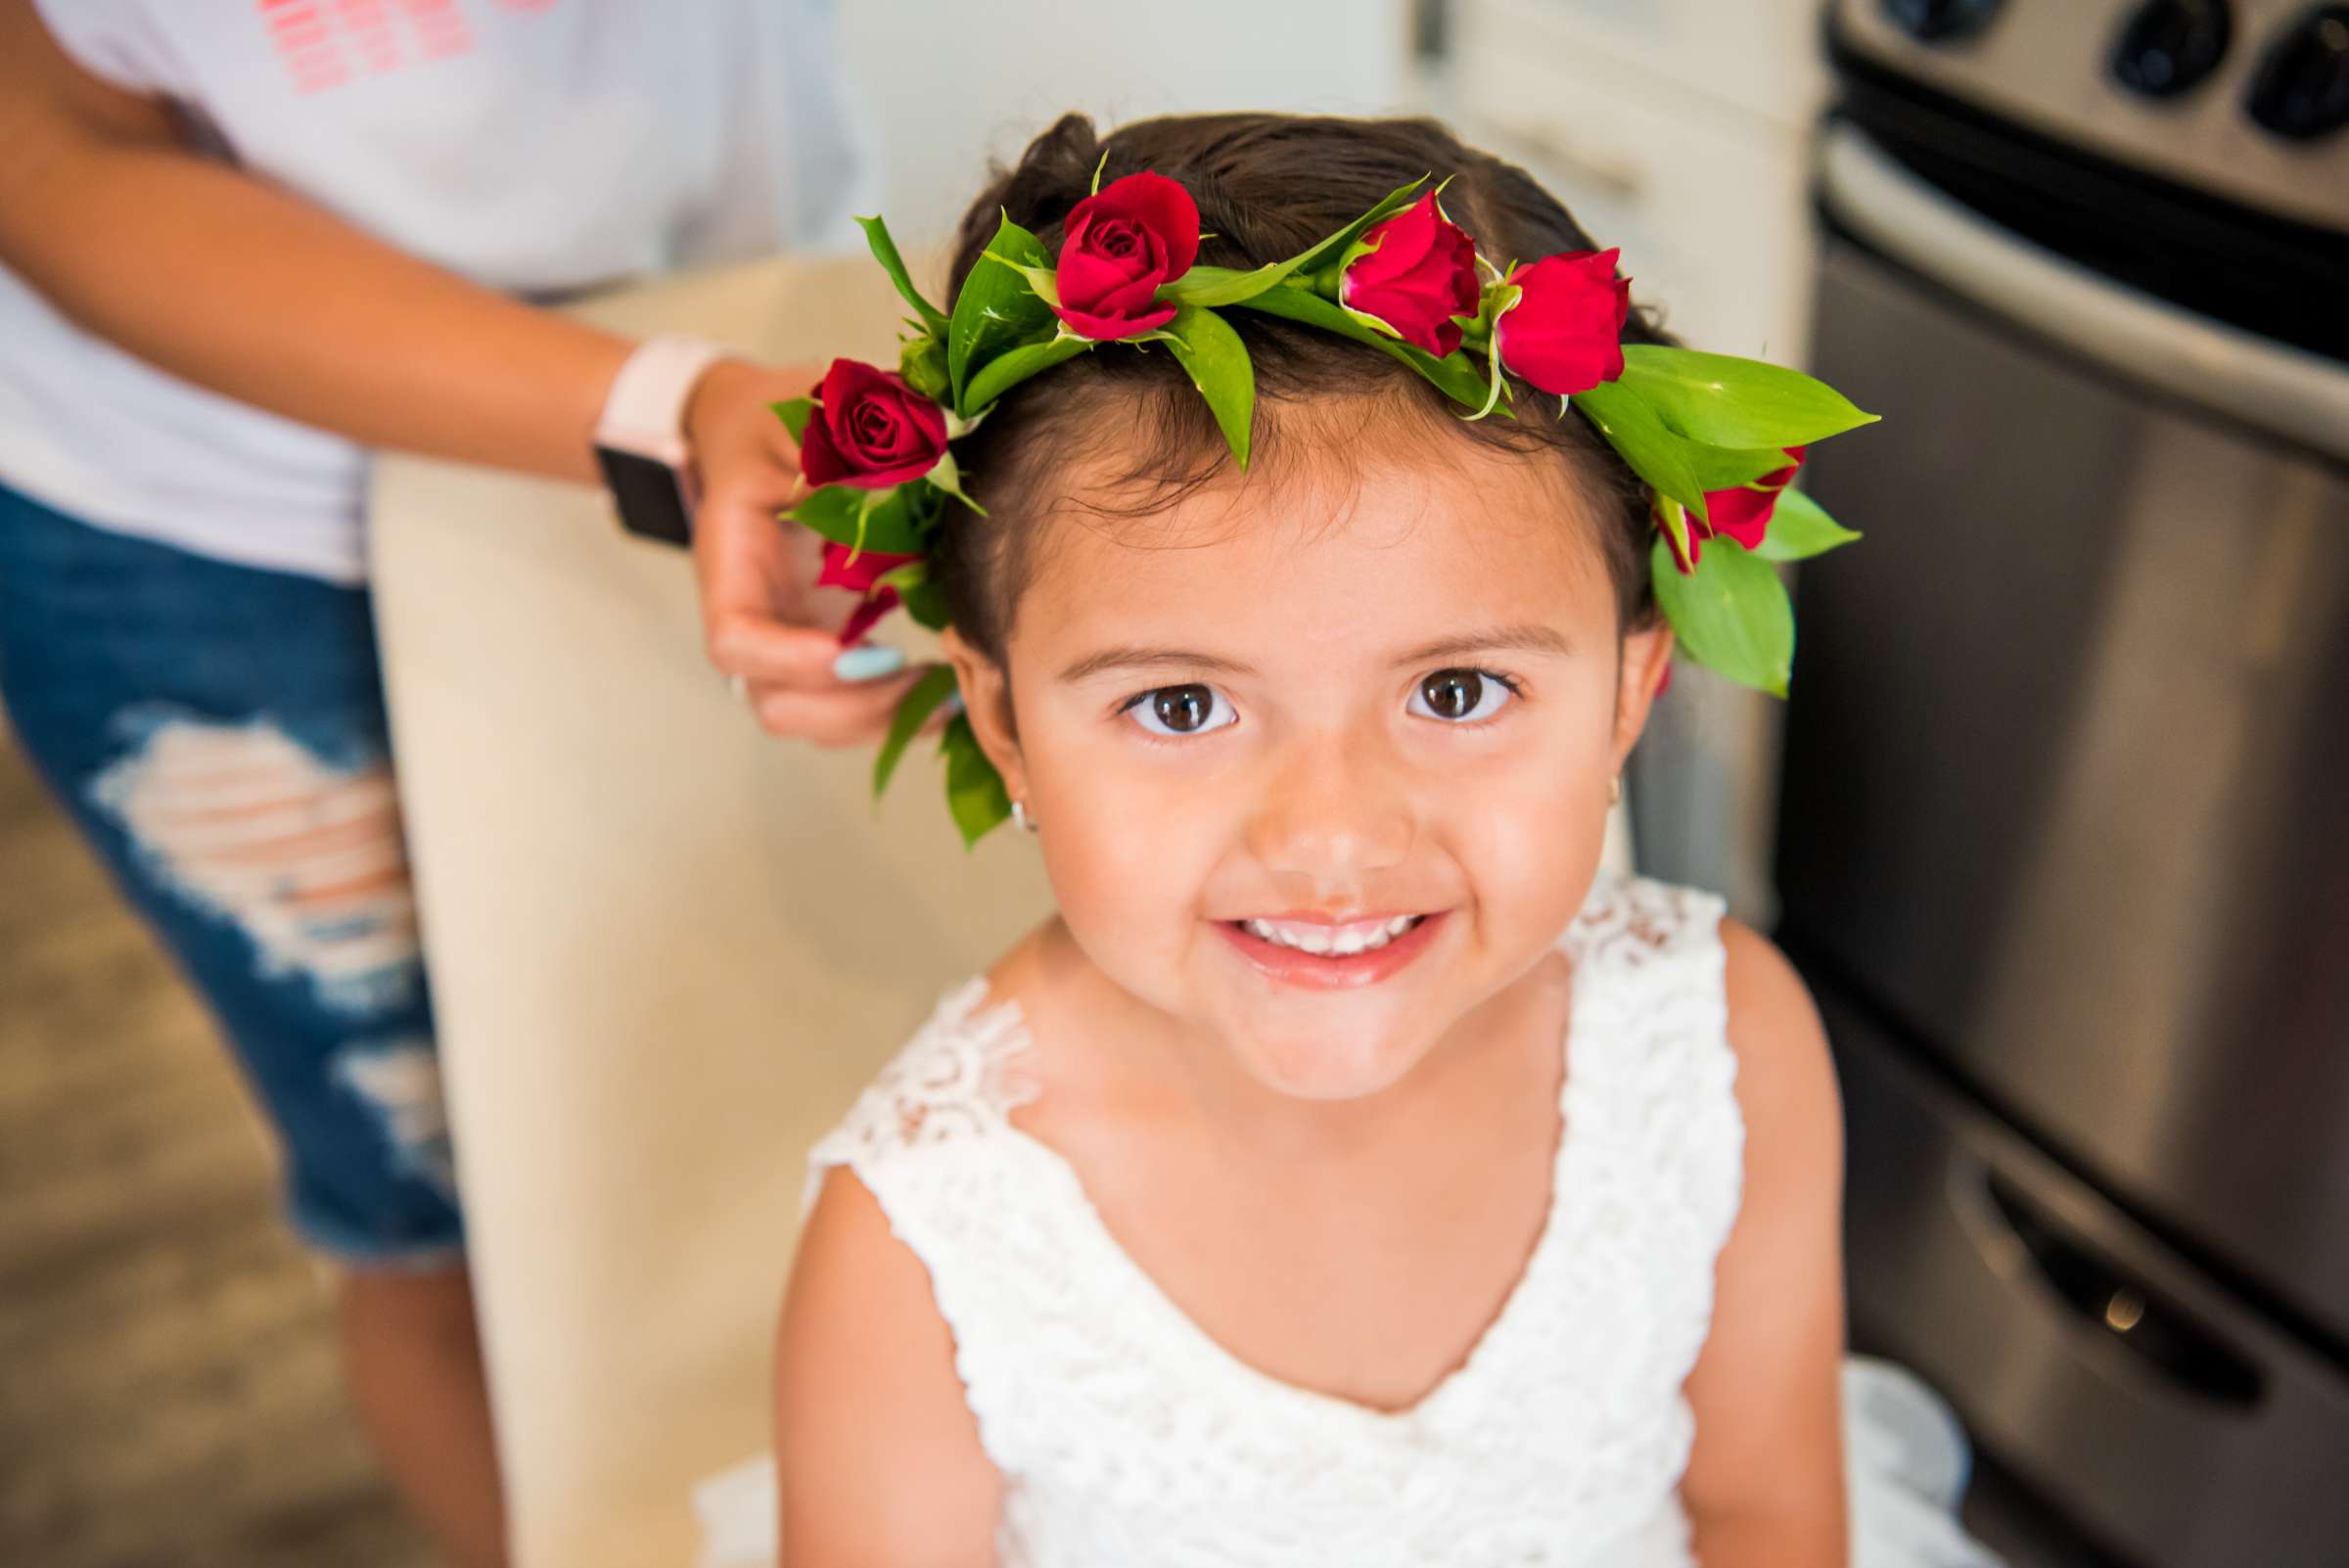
(1347, 1174)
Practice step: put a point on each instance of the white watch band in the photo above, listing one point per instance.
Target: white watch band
(644, 412)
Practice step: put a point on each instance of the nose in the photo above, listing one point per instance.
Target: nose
(1334, 814)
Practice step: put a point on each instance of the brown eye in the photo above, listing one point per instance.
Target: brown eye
(1457, 695)
(1191, 709)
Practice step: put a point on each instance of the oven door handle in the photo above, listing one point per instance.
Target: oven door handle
(2296, 395)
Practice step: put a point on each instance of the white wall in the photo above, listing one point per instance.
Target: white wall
(955, 83)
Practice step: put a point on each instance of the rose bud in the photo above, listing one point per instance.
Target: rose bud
(861, 574)
(1742, 512)
(871, 430)
(1564, 334)
(923, 364)
(1419, 272)
(1118, 245)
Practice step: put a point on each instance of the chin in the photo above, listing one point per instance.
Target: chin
(1331, 1065)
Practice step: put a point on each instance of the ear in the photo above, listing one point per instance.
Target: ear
(1646, 660)
(987, 699)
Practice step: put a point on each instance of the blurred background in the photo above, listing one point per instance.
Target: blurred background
(2053, 821)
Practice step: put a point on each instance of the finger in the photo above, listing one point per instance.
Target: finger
(742, 499)
(858, 715)
(767, 652)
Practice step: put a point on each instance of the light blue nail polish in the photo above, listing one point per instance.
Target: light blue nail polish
(868, 661)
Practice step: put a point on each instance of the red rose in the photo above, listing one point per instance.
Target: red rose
(871, 430)
(862, 619)
(1742, 512)
(1420, 274)
(1565, 332)
(1120, 245)
(861, 574)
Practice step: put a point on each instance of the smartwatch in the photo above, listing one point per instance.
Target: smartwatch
(640, 438)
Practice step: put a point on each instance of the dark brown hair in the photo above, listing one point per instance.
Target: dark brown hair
(1268, 186)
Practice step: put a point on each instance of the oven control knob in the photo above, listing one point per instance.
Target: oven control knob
(2169, 45)
(2301, 89)
(1933, 20)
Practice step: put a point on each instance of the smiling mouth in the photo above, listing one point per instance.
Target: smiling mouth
(1325, 940)
(1333, 955)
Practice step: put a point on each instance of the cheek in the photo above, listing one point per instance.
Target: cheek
(1531, 845)
(1529, 830)
(1130, 847)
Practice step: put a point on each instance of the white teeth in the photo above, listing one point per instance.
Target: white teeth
(1340, 941)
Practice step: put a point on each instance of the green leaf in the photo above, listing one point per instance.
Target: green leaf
(946, 477)
(975, 793)
(1635, 429)
(1217, 362)
(830, 511)
(1007, 370)
(1042, 281)
(1722, 468)
(885, 252)
(1722, 400)
(1672, 520)
(1800, 528)
(911, 574)
(995, 311)
(863, 520)
(795, 412)
(923, 364)
(1731, 614)
(920, 701)
(1456, 375)
(1222, 286)
(926, 602)
(885, 522)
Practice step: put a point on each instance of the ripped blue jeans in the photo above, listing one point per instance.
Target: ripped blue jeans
(217, 733)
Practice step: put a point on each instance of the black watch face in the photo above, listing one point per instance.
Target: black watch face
(651, 503)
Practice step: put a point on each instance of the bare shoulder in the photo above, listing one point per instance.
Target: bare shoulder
(1767, 1455)
(1785, 1079)
(879, 1453)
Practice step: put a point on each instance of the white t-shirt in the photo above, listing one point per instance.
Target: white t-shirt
(536, 146)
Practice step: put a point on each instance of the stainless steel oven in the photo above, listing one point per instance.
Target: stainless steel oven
(2065, 827)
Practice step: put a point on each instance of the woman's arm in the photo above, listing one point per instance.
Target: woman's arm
(228, 282)
(880, 1454)
(1765, 1481)
(225, 281)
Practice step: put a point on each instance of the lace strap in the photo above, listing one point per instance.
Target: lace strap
(951, 1083)
(1657, 969)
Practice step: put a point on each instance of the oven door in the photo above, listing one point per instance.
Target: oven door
(2066, 826)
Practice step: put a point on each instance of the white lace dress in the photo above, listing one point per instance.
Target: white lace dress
(1127, 1436)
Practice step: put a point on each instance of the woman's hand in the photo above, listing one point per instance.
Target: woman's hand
(765, 619)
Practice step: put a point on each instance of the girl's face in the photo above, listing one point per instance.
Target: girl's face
(1322, 757)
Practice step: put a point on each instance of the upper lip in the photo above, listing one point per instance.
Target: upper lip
(1322, 917)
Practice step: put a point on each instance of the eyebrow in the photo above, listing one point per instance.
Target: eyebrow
(1107, 658)
(1528, 637)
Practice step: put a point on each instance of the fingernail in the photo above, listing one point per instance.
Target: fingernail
(868, 661)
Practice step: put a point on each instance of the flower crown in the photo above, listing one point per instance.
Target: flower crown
(1717, 439)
